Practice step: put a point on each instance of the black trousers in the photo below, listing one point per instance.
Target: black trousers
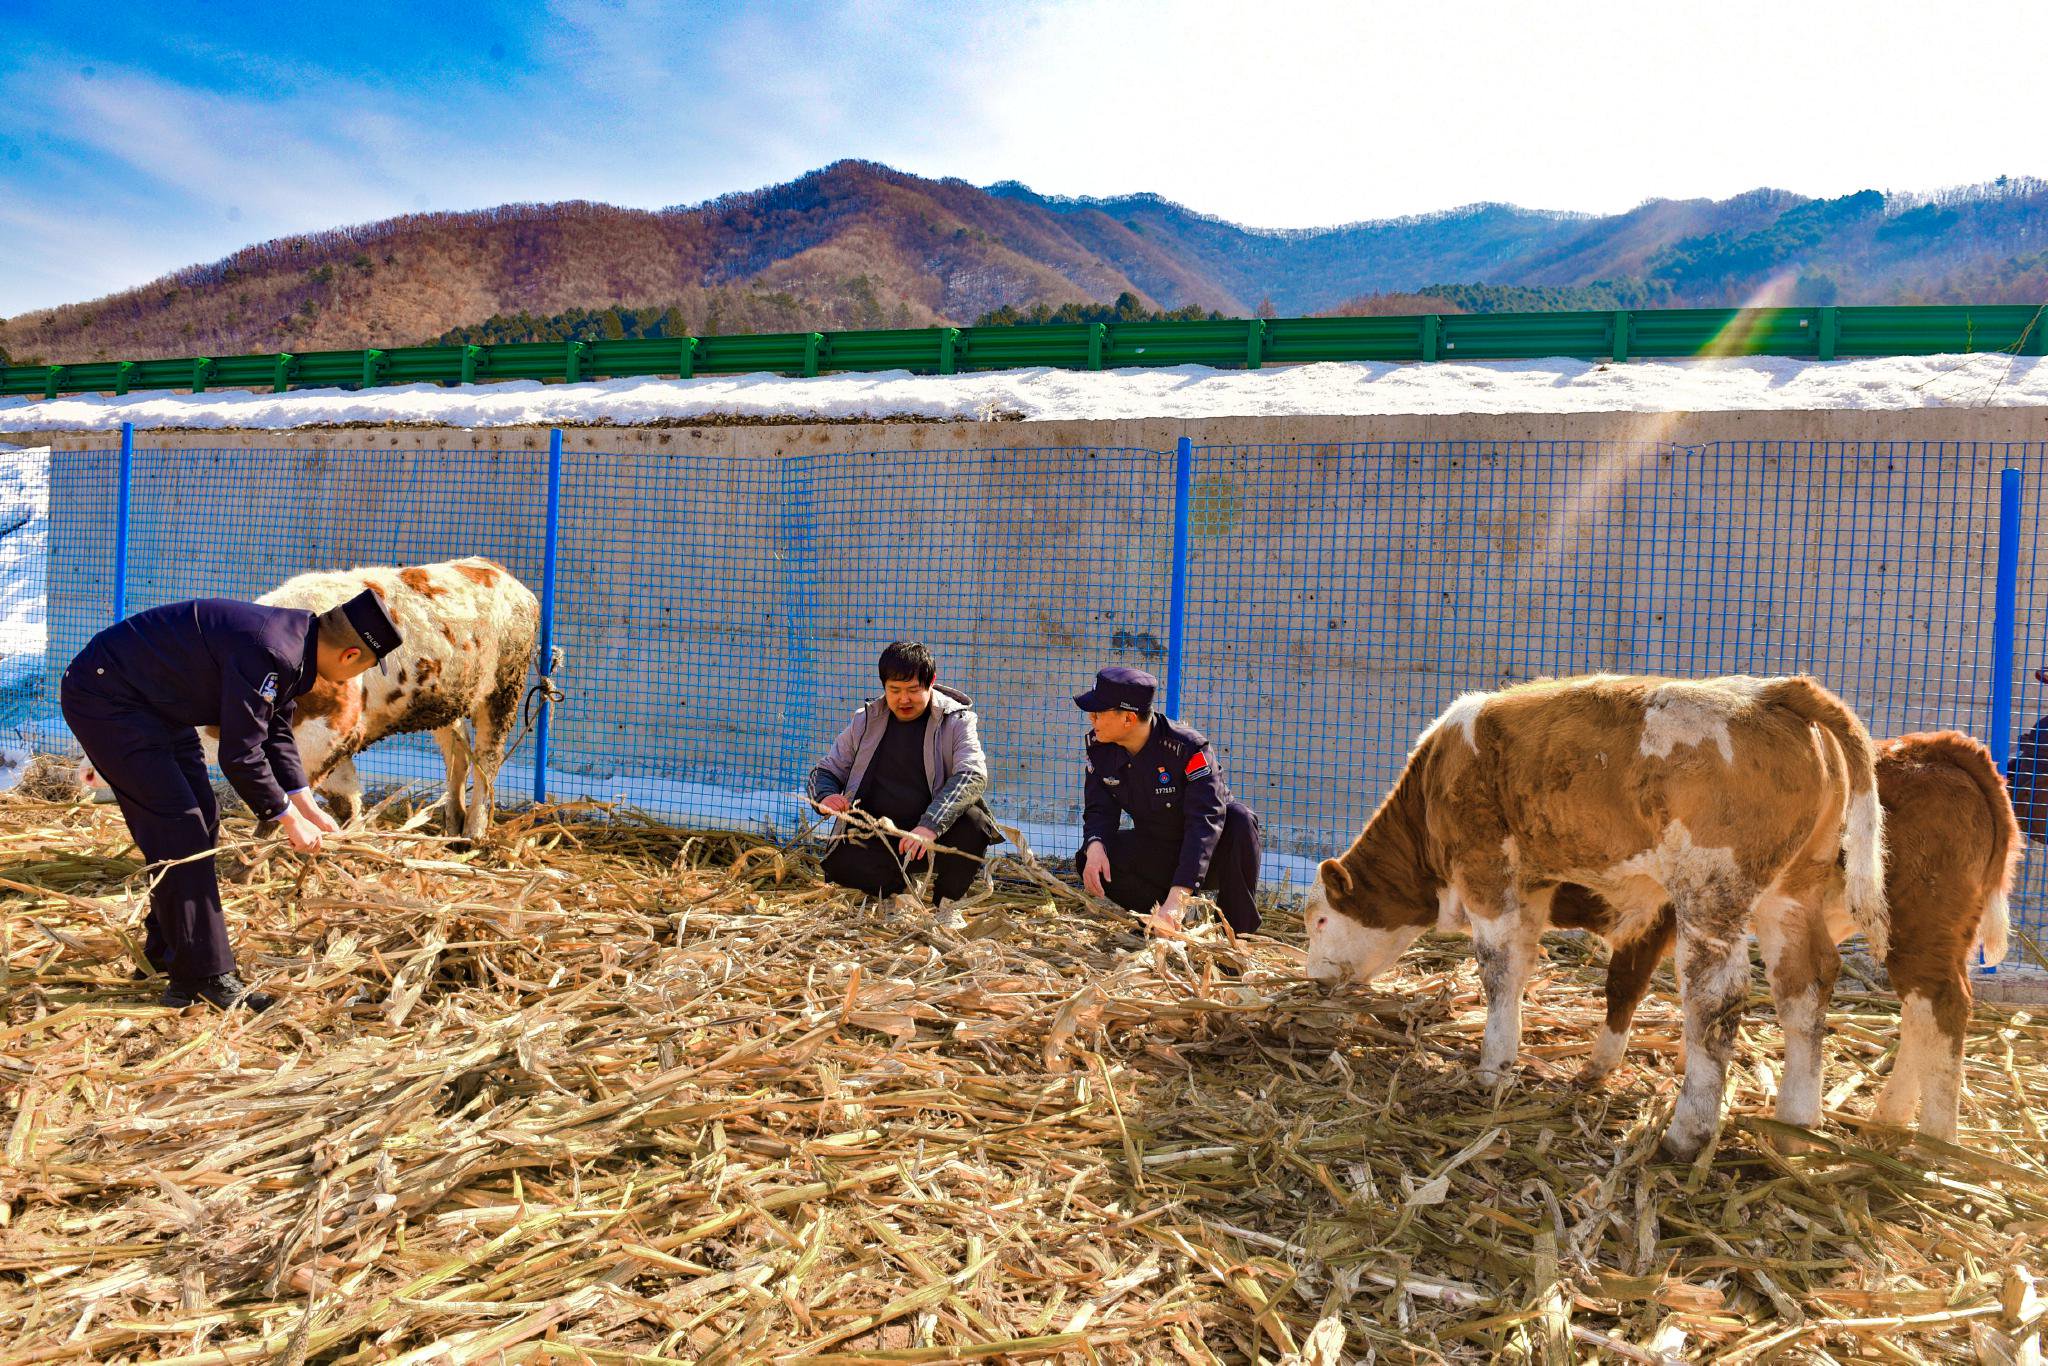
(158, 773)
(870, 864)
(1141, 868)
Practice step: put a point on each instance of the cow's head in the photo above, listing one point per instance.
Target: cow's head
(1358, 922)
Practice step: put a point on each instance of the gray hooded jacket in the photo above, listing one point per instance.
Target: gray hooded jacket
(954, 766)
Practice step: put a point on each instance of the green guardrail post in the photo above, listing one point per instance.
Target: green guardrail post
(1432, 335)
(281, 367)
(814, 342)
(1255, 344)
(949, 342)
(1621, 334)
(1098, 336)
(572, 367)
(52, 379)
(373, 368)
(686, 359)
(471, 355)
(201, 368)
(121, 374)
(1826, 335)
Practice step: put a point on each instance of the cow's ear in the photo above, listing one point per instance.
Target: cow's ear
(1335, 875)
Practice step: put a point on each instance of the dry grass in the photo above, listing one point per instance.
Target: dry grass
(609, 1091)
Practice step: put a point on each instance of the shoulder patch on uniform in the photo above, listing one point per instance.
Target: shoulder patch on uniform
(267, 689)
(1199, 764)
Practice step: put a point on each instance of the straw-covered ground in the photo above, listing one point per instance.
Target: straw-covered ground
(607, 1091)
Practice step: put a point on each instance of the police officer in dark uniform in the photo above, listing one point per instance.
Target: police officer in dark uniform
(1185, 833)
(2026, 777)
(134, 697)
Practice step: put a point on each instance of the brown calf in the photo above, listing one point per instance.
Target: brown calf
(1952, 849)
(1734, 800)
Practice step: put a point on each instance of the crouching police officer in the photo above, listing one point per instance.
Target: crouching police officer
(1186, 831)
(133, 698)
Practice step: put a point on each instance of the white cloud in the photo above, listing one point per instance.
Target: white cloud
(1303, 113)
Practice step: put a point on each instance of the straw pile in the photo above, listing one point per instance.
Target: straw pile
(610, 1092)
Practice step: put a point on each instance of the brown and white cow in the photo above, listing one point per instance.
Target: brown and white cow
(470, 630)
(1952, 849)
(1735, 800)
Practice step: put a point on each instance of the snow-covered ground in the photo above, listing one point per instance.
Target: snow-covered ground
(24, 567)
(1187, 391)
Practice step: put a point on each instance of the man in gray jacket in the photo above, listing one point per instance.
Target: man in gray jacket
(911, 756)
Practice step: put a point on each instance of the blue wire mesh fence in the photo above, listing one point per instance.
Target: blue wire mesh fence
(719, 616)
(1341, 596)
(25, 587)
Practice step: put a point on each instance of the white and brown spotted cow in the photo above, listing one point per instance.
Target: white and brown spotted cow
(1952, 849)
(1734, 800)
(470, 631)
(470, 634)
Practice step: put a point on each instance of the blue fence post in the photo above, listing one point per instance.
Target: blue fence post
(1177, 603)
(795, 534)
(121, 491)
(2005, 611)
(547, 614)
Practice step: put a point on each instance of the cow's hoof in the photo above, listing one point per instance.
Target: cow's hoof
(1792, 1145)
(1683, 1147)
(1593, 1076)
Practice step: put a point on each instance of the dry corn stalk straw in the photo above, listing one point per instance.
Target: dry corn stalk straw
(609, 1091)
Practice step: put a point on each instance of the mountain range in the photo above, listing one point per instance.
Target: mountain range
(858, 245)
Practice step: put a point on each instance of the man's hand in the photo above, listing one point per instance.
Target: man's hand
(837, 802)
(1095, 869)
(304, 835)
(916, 844)
(1165, 917)
(305, 805)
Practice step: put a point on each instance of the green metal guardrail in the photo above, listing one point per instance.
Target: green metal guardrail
(1811, 333)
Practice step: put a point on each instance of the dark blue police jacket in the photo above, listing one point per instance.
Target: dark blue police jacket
(2027, 782)
(1171, 789)
(216, 662)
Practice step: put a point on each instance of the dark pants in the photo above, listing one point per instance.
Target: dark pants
(158, 773)
(1141, 869)
(870, 864)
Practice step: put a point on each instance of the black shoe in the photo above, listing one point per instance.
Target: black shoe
(157, 968)
(225, 991)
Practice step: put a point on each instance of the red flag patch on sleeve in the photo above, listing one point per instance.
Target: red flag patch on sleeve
(1198, 764)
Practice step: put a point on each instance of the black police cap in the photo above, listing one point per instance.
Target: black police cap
(372, 625)
(1120, 687)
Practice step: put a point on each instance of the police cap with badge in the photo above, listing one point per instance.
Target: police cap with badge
(362, 622)
(1120, 688)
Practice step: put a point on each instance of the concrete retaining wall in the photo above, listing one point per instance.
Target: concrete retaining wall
(724, 590)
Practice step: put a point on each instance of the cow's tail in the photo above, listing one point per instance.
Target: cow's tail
(1863, 824)
(2002, 862)
(1994, 930)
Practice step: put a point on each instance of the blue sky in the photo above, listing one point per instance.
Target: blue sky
(138, 138)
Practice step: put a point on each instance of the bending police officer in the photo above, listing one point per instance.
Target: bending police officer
(133, 698)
